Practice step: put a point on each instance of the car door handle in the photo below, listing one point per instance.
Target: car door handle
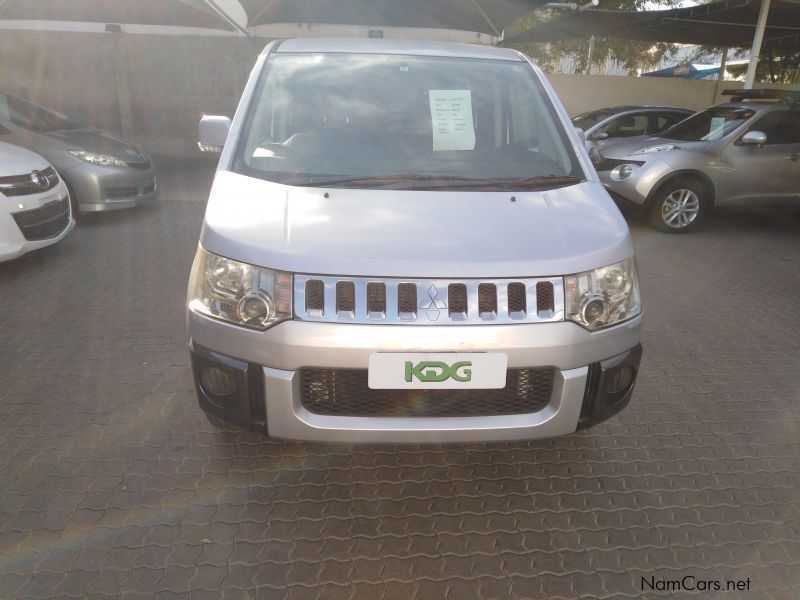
(794, 157)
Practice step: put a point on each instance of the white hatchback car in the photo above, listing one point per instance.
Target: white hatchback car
(34, 203)
(405, 242)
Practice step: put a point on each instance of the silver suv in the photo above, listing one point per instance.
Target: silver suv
(742, 153)
(405, 242)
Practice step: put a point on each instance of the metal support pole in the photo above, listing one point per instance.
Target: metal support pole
(589, 56)
(721, 78)
(761, 25)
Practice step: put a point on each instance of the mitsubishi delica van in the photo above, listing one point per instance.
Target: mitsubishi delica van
(406, 242)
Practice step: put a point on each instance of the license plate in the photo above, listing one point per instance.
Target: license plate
(441, 370)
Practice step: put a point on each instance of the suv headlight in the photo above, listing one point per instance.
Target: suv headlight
(603, 297)
(239, 293)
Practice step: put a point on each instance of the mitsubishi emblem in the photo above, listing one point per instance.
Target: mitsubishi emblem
(434, 305)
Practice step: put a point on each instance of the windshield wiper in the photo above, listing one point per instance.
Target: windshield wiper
(377, 180)
(542, 182)
(450, 181)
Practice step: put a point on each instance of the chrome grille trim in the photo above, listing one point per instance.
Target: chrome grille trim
(432, 302)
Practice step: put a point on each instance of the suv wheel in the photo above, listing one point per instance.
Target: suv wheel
(678, 207)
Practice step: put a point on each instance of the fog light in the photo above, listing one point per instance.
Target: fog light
(621, 172)
(217, 382)
(620, 381)
(255, 308)
(594, 310)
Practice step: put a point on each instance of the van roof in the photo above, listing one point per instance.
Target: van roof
(392, 46)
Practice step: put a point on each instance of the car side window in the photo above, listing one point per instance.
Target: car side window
(663, 121)
(781, 127)
(626, 126)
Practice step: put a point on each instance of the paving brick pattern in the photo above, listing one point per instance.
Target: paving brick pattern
(113, 484)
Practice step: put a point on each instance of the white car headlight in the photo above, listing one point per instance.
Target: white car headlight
(239, 293)
(660, 148)
(98, 159)
(603, 297)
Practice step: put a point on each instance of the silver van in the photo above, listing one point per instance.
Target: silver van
(406, 242)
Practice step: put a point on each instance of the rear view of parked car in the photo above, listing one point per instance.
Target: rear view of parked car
(601, 126)
(102, 172)
(741, 153)
(34, 203)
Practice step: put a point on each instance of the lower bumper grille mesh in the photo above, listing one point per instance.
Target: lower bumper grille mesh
(344, 392)
(45, 222)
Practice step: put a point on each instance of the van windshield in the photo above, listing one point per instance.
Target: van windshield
(711, 124)
(405, 122)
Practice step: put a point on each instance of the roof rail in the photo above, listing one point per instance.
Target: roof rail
(790, 96)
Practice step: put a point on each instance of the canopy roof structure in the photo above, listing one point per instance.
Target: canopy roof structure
(140, 12)
(486, 16)
(482, 16)
(725, 23)
(685, 71)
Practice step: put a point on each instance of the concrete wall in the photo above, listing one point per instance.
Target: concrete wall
(580, 93)
(153, 89)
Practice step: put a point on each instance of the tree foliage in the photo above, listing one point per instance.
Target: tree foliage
(631, 55)
(774, 66)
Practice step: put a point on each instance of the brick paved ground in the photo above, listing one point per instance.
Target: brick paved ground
(112, 481)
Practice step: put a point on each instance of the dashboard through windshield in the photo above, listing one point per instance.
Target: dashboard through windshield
(409, 122)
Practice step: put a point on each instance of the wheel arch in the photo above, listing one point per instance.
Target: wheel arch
(704, 179)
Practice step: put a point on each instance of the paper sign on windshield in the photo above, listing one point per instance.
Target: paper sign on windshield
(717, 127)
(451, 114)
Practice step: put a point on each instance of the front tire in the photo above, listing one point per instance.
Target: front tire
(678, 207)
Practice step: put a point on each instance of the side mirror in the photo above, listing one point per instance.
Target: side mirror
(753, 138)
(581, 134)
(599, 136)
(212, 133)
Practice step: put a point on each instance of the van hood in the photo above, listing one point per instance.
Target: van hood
(395, 233)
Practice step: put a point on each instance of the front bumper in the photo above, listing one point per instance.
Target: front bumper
(266, 368)
(13, 242)
(100, 188)
(635, 191)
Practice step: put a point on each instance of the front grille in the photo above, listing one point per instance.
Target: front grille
(517, 302)
(116, 193)
(544, 296)
(394, 301)
(376, 299)
(44, 222)
(457, 300)
(30, 183)
(487, 300)
(344, 392)
(345, 297)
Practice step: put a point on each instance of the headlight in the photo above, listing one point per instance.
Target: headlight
(661, 148)
(603, 297)
(621, 172)
(239, 293)
(98, 159)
